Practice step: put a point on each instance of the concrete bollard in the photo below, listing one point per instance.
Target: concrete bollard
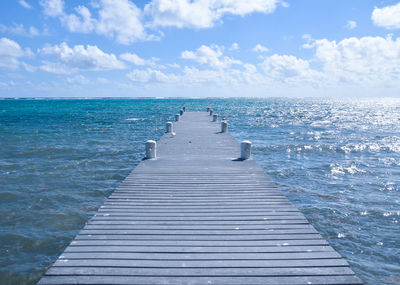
(224, 126)
(169, 127)
(215, 117)
(208, 110)
(177, 117)
(151, 149)
(184, 109)
(245, 150)
(211, 112)
(181, 112)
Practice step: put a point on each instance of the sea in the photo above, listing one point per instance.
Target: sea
(337, 160)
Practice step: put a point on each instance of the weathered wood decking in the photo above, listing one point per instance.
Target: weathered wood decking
(196, 215)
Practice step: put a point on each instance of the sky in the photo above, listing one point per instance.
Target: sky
(200, 48)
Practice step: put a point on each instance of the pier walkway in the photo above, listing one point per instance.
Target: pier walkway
(198, 215)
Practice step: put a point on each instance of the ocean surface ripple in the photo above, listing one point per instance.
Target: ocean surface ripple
(337, 160)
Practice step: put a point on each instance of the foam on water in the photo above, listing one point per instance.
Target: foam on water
(336, 160)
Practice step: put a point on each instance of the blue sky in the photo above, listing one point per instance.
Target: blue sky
(199, 48)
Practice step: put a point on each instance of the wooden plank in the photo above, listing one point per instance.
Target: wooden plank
(182, 196)
(104, 213)
(200, 256)
(256, 280)
(157, 222)
(198, 249)
(196, 211)
(196, 232)
(196, 215)
(233, 271)
(202, 263)
(199, 202)
(208, 218)
(196, 199)
(195, 227)
(182, 243)
(191, 208)
(199, 237)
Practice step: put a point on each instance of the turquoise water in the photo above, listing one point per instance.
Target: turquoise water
(336, 160)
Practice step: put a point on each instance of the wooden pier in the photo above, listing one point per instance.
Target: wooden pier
(198, 215)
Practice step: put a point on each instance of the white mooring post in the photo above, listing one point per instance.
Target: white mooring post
(224, 126)
(211, 112)
(245, 150)
(215, 117)
(177, 117)
(169, 127)
(181, 112)
(151, 149)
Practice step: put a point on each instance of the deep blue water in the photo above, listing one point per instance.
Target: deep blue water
(336, 160)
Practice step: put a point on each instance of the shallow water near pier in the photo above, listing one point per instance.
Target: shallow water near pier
(338, 161)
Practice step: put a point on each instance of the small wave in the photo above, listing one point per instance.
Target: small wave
(342, 170)
(389, 186)
(388, 214)
(353, 170)
(337, 170)
(134, 119)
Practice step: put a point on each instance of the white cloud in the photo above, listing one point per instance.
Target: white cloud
(366, 61)
(8, 85)
(78, 58)
(80, 22)
(117, 19)
(250, 75)
(191, 76)
(195, 76)
(150, 75)
(10, 53)
(32, 32)
(260, 48)
(136, 60)
(228, 72)
(309, 41)
(28, 67)
(219, 71)
(285, 4)
(103, 80)
(348, 64)
(203, 14)
(25, 4)
(78, 80)
(3, 84)
(211, 56)
(352, 62)
(173, 65)
(234, 46)
(288, 68)
(351, 25)
(387, 17)
(53, 8)
(123, 21)
(19, 29)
